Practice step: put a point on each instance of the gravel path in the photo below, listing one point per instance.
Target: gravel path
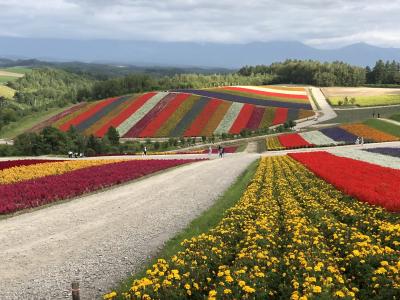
(99, 239)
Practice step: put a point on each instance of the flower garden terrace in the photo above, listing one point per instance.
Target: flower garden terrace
(189, 113)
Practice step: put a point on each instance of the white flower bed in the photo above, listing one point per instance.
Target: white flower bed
(265, 89)
(229, 118)
(373, 158)
(140, 113)
(317, 138)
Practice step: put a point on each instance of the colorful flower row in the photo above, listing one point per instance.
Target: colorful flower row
(22, 162)
(369, 157)
(43, 190)
(290, 236)
(175, 114)
(395, 152)
(368, 182)
(265, 93)
(344, 134)
(42, 169)
(250, 98)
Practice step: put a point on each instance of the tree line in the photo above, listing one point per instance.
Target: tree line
(327, 74)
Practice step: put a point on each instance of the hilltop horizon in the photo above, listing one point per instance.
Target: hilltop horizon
(187, 54)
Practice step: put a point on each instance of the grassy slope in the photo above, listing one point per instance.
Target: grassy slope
(27, 122)
(6, 92)
(5, 79)
(360, 115)
(206, 221)
(384, 126)
(396, 117)
(20, 70)
(370, 100)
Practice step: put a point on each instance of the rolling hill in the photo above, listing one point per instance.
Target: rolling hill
(187, 112)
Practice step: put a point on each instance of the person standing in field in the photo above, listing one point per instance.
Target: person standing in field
(209, 150)
(145, 150)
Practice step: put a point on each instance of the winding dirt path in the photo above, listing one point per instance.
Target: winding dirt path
(101, 238)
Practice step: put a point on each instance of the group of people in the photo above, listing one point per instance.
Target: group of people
(74, 154)
(360, 140)
(378, 115)
(221, 151)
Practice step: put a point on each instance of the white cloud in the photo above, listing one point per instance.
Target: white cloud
(326, 24)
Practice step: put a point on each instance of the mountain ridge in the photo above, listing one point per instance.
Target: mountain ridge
(187, 53)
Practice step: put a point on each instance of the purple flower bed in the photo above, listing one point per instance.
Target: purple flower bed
(339, 134)
(395, 152)
(255, 119)
(242, 99)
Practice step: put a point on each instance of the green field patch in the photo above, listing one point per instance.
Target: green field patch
(368, 100)
(395, 117)
(6, 92)
(15, 128)
(384, 126)
(19, 70)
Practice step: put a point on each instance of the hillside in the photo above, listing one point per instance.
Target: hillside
(188, 112)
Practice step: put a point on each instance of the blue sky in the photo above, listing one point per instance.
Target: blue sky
(323, 24)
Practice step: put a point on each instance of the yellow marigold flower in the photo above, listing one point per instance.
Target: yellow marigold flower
(384, 263)
(110, 295)
(227, 291)
(340, 294)
(242, 283)
(212, 293)
(228, 279)
(196, 286)
(248, 289)
(381, 270)
(303, 298)
(146, 297)
(187, 286)
(317, 289)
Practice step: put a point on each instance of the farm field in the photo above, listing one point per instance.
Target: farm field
(364, 96)
(373, 130)
(299, 237)
(165, 114)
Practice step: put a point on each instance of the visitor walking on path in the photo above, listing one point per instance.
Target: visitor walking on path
(145, 150)
(209, 150)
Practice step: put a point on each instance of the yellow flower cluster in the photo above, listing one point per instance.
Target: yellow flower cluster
(22, 173)
(291, 236)
(273, 143)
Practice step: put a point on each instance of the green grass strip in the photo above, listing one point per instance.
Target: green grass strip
(15, 128)
(384, 126)
(396, 117)
(202, 224)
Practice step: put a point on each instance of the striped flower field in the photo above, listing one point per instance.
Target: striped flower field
(187, 113)
(343, 134)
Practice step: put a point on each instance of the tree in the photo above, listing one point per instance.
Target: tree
(113, 136)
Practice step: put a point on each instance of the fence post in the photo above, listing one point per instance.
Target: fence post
(75, 290)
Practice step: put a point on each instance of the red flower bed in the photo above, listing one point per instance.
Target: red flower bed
(149, 117)
(293, 140)
(280, 116)
(23, 162)
(256, 117)
(242, 119)
(33, 193)
(59, 116)
(87, 114)
(201, 120)
(125, 114)
(370, 183)
(265, 93)
(163, 116)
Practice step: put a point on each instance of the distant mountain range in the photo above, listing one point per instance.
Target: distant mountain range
(184, 54)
